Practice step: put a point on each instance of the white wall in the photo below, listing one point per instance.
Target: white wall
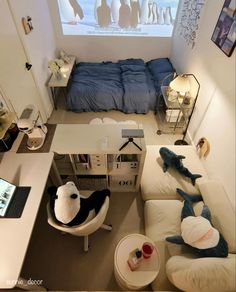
(39, 44)
(17, 85)
(214, 115)
(98, 48)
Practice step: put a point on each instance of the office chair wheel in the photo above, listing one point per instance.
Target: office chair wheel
(107, 227)
(159, 132)
(87, 250)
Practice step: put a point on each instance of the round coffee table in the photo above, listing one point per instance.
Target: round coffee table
(146, 272)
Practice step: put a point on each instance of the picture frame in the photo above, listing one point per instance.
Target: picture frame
(224, 35)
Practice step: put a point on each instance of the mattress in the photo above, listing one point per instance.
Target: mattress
(128, 85)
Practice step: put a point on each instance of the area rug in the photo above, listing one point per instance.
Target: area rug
(47, 143)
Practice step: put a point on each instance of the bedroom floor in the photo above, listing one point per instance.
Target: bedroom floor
(149, 122)
(59, 259)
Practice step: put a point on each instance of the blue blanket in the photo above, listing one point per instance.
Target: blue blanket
(136, 94)
(95, 87)
(127, 85)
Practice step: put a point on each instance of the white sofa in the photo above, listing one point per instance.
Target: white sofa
(155, 184)
(162, 218)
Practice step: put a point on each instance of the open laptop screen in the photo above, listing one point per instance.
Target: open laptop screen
(6, 193)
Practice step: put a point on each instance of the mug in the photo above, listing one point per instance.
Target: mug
(147, 249)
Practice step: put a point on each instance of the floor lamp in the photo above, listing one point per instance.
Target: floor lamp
(181, 85)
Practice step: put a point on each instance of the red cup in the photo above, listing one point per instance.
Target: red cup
(147, 249)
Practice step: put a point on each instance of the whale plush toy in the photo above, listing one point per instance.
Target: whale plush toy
(70, 208)
(172, 160)
(197, 232)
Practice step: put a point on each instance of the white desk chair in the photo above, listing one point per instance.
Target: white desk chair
(85, 228)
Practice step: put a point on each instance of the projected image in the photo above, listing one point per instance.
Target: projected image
(118, 17)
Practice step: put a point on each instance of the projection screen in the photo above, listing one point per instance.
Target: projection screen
(146, 18)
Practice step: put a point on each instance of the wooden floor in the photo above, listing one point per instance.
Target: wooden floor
(59, 260)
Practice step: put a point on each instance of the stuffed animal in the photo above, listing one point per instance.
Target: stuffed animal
(70, 208)
(197, 232)
(203, 147)
(172, 160)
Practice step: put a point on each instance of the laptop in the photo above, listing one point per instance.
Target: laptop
(12, 199)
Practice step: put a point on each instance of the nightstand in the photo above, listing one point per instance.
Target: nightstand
(54, 84)
(175, 113)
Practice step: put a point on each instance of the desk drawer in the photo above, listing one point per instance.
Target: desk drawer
(97, 161)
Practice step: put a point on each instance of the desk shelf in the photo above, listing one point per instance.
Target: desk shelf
(85, 158)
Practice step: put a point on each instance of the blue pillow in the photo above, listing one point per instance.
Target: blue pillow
(163, 79)
(132, 68)
(131, 62)
(160, 65)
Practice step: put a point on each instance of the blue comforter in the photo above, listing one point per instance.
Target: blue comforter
(136, 93)
(96, 87)
(127, 85)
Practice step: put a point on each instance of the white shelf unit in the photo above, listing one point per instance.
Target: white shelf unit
(80, 156)
(172, 115)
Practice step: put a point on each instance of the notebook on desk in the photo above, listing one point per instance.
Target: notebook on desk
(12, 199)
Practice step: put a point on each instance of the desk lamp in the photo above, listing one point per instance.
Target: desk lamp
(181, 85)
(31, 123)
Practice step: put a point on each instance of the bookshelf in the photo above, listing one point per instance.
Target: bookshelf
(90, 156)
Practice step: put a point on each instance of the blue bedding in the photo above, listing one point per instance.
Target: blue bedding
(136, 94)
(127, 85)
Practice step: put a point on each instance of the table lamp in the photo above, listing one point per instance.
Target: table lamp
(182, 86)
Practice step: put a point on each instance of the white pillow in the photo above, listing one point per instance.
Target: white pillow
(109, 121)
(96, 121)
(222, 210)
(127, 122)
(202, 274)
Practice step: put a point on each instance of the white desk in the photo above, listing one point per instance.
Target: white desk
(102, 144)
(23, 170)
(83, 138)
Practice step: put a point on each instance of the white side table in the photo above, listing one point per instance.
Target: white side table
(147, 271)
(55, 83)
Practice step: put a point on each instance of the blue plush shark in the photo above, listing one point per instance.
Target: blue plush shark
(172, 160)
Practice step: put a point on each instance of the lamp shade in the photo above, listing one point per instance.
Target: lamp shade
(180, 84)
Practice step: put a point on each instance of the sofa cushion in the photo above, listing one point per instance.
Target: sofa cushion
(162, 219)
(155, 184)
(189, 273)
(223, 213)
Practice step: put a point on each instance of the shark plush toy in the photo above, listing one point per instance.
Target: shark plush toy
(197, 232)
(172, 160)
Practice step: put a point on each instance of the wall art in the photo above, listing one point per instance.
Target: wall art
(224, 35)
(189, 20)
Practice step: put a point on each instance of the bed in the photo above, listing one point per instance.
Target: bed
(130, 86)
